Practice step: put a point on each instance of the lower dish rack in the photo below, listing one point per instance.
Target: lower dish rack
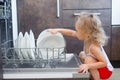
(37, 57)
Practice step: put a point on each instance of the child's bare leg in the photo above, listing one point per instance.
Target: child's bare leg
(94, 72)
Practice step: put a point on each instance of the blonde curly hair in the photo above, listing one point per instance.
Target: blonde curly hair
(91, 26)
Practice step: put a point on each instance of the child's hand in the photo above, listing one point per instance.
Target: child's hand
(53, 31)
(83, 68)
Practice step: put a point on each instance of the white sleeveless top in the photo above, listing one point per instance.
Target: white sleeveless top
(109, 65)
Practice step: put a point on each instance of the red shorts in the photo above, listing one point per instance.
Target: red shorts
(104, 73)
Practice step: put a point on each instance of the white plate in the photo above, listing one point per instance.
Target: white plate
(32, 45)
(50, 41)
(24, 47)
(18, 45)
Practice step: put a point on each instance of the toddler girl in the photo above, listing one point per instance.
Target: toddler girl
(88, 28)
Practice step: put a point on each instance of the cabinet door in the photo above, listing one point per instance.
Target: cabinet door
(38, 15)
(115, 43)
(86, 4)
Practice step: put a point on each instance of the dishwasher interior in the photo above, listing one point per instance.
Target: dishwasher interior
(11, 58)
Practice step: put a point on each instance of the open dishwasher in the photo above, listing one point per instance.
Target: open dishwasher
(47, 62)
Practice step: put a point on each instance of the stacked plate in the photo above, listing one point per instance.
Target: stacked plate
(25, 46)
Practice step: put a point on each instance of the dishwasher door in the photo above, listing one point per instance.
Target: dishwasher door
(64, 65)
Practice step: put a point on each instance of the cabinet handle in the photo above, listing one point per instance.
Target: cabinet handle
(58, 8)
(77, 14)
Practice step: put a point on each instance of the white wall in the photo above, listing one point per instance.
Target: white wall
(115, 12)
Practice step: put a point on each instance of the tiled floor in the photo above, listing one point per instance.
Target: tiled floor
(116, 74)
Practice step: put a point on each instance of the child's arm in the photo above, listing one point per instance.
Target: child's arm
(67, 32)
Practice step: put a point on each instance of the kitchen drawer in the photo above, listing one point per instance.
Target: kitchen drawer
(69, 18)
(86, 4)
